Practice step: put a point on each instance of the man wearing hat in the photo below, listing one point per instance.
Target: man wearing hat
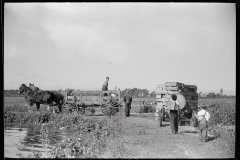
(203, 113)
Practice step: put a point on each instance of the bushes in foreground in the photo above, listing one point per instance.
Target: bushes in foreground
(147, 109)
(222, 113)
(89, 139)
(89, 135)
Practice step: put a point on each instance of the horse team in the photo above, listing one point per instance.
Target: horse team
(36, 96)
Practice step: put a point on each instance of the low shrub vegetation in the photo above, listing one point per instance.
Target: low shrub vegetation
(147, 109)
(222, 123)
(89, 138)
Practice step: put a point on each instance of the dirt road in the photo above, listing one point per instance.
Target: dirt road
(142, 137)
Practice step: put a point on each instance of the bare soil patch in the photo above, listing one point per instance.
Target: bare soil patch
(141, 137)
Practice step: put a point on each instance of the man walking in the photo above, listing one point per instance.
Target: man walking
(173, 106)
(127, 98)
(203, 117)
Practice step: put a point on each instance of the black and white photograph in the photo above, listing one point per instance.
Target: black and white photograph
(119, 80)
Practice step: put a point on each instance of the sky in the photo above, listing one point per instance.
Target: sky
(77, 45)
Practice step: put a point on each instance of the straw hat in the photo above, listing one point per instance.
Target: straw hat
(203, 105)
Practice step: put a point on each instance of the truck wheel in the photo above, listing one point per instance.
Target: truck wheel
(163, 114)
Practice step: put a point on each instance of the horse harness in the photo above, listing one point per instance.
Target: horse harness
(33, 96)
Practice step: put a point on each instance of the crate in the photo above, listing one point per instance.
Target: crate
(160, 88)
(173, 92)
(188, 97)
(192, 87)
(189, 93)
(173, 88)
(158, 96)
(185, 89)
(175, 84)
(168, 84)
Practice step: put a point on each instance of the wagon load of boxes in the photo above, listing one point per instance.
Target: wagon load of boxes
(189, 91)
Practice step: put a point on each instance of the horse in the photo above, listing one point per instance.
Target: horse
(41, 97)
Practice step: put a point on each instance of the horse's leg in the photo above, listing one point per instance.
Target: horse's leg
(60, 108)
(53, 109)
(38, 107)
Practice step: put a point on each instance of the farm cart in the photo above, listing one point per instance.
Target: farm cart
(85, 102)
(187, 97)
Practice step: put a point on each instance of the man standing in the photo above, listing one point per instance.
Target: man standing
(203, 117)
(105, 86)
(127, 98)
(173, 106)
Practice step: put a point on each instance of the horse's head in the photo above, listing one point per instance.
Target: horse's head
(21, 89)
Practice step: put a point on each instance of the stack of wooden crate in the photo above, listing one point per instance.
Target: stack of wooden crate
(189, 91)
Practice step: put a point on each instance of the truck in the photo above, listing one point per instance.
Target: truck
(187, 97)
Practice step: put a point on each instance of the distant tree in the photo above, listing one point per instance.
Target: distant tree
(11, 93)
(153, 94)
(221, 91)
(218, 95)
(211, 95)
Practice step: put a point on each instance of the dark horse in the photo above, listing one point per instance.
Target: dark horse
(41, 97)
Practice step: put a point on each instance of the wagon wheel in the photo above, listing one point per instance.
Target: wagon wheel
(89, 111)
(106, 109)
(81, 108)
(66, 108)
(109, 107)
(114, 106)
(74, 107)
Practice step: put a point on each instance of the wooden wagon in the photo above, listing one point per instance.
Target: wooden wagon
(85, 102)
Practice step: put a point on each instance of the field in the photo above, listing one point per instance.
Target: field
(138, 136)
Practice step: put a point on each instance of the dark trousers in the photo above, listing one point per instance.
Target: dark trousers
(203, 134)
(127, 109)
(174, 121)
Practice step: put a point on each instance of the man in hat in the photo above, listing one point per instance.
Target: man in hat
(173, 106)
(203, 113)
(105, 86)
(127, 98)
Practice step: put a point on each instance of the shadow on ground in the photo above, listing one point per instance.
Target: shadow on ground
(165, 125)
(210, 139)
(195, 132)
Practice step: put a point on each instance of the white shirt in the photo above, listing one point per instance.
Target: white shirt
(201, 113)
(177, 102)
(172, 105)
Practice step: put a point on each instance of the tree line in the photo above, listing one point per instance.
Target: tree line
(135, 92)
